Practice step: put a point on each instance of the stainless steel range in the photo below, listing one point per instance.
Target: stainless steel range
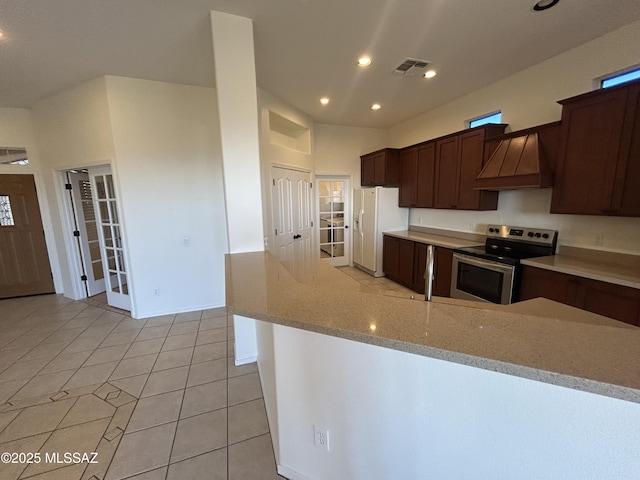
(492, 273)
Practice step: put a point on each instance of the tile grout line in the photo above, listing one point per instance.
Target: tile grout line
(154, 363)
(184, 392)
(57, 355)
(134, 409)
(75, 313)
(50, 433)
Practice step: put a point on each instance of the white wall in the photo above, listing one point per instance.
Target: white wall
(16, 130)
(271, 154)
(395, 415)
(526, 99)
(72, 130)
(338, 149)
(169, 170)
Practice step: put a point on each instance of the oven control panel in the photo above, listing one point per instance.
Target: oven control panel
(530, 235)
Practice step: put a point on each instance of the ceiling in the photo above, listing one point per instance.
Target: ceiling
(305, 49)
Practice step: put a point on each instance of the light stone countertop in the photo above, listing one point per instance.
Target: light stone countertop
(538, 339)
(618, 269)
(432, 239)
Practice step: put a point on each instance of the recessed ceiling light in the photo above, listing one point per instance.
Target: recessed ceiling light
(429, 74)
(364, 61)
(376, 106)
(1, 34)
(324, 100)
(544, 5)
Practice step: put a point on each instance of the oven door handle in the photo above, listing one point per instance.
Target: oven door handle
(488, 264)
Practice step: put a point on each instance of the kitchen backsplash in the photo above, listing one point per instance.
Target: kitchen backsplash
(530, 208)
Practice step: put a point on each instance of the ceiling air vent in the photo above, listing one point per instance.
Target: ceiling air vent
(410, 67)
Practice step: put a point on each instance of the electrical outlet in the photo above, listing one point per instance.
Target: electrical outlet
(156, 292)
(186, 241)
(599, 240)
(321, 437)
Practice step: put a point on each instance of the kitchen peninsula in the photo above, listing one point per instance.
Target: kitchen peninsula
(513, 386)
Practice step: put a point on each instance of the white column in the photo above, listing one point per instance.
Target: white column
(236, 89)
(238, 106)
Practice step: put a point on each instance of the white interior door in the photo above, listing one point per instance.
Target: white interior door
(291, 204)
(110, 237)
(87, 231)
(333, 203)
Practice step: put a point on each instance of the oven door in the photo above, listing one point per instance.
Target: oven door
(482, 280)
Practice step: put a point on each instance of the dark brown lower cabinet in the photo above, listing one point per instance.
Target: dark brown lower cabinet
(443, 265)
(404, 261)
(613, 301)
(398, 259)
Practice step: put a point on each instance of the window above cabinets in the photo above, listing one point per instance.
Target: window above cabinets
(620, 77)
(493, 117)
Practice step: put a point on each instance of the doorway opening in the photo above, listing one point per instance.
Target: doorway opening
(334, 203)
(95, 245)
(86, 231)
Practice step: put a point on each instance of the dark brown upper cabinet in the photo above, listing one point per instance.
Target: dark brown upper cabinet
(417, 168)
(598, 171)
(380, 168)
(459, 158)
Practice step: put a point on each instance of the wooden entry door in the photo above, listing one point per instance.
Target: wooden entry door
(24, 261)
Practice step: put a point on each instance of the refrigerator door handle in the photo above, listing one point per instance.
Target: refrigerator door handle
(429, 273)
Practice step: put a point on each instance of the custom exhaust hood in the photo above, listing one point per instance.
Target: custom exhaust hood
(522, 159)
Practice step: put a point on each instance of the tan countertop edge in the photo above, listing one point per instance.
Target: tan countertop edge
(619, 269)
(582, 353)
(433, 239)
(530, 373)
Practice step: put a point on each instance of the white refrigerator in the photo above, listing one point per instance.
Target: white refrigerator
(375, 210)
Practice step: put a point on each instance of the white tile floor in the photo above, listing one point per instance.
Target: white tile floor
(158, 399)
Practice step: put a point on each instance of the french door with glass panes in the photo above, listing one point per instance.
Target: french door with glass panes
(110, 237)
(333, 201)
(87, 228)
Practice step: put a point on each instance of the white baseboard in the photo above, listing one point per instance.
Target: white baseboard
(171, 311)
(291, 474)
(244, 361)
